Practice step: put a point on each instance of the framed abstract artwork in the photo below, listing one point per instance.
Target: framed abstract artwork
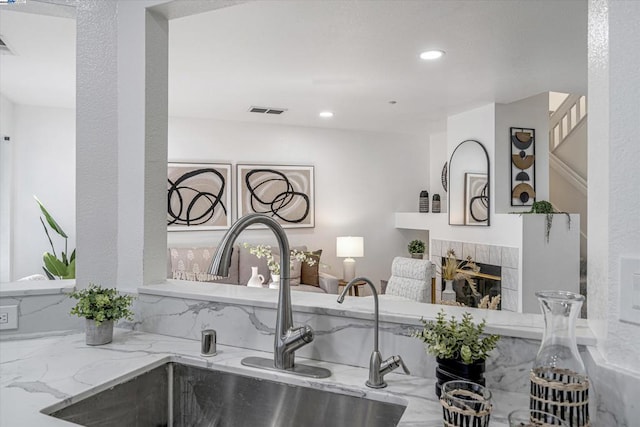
(476, 199)
(199, 196)
(523, 166)
(285, 193)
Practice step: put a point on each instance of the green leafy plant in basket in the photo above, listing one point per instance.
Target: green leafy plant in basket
(102, 304)
(65, 266)
(456, 339)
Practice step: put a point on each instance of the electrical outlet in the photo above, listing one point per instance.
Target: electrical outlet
(630, 290)
(9, 317)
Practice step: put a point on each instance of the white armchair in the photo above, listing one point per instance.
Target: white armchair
(411, 279)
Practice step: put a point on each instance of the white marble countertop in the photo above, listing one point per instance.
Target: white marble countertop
(36, 287)
(38, 372)
(520, 325)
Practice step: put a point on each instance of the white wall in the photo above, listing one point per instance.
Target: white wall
(44, 165)
(532, 112)
(614, 175)
(438, 156)
(361, 179)
(6, 184)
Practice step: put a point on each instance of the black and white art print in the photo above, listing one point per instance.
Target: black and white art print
(285, 193)
(199, 196)
(476, 199)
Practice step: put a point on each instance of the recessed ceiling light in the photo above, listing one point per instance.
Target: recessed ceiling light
(432, 54)
(326, 114)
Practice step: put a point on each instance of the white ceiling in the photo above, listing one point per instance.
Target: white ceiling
(350, 57)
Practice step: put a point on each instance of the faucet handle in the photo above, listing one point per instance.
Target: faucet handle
(392, 363)
(402, 365)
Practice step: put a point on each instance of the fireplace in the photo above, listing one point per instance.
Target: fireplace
(487, 281)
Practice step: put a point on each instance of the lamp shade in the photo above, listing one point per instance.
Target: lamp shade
(349, 247)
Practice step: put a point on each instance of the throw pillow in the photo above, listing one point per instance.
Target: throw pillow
(309, 274)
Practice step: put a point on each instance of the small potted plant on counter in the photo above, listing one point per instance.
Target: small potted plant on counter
(459, 346)
(416, 249)
(101, 307)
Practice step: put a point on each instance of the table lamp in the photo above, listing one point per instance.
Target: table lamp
(349, 247)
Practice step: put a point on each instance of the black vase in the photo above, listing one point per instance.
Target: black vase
(455, 369)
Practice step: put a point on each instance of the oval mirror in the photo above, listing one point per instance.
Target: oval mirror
(469, 183)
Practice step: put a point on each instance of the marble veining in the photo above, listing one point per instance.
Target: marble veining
(41, 312)
(339, 337)
(44, 372)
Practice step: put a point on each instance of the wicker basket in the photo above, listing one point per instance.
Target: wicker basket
(562, 393)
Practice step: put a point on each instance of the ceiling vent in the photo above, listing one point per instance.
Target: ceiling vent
(267, 110)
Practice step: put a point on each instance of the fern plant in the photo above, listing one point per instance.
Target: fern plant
(456, 339)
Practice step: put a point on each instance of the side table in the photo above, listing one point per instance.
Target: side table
(354, 289)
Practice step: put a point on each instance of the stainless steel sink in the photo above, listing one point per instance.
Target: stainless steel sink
(176, 394)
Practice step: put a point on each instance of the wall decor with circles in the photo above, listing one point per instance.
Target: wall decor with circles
(523, 171)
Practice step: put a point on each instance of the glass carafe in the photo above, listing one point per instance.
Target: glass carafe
(559, 382)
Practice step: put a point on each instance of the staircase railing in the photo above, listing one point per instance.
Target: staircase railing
(565, 119)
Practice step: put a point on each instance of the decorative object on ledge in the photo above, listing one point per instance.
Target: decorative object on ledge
(101, 307)
(465, 404)
(285, 193)
(199, 196)
(559, 381)
(65, 267)
(256, 280)
(436, 203)
(459, 347)
(424, 201)
(448, 294)
(544, 207)
(523, 171)
(416, 249)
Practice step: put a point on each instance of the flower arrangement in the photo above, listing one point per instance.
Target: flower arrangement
(453, 339)
(264, 251)
(456, 270)
(102, 304)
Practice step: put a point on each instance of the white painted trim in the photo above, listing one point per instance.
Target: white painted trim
(567, 173)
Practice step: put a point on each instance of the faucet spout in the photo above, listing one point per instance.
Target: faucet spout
(287, 338)
(377, 367)
(374, 292)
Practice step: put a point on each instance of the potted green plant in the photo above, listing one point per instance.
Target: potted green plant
(101, 307)
(545, 207)
(416, 248)
(460, 347)
(65, 266)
